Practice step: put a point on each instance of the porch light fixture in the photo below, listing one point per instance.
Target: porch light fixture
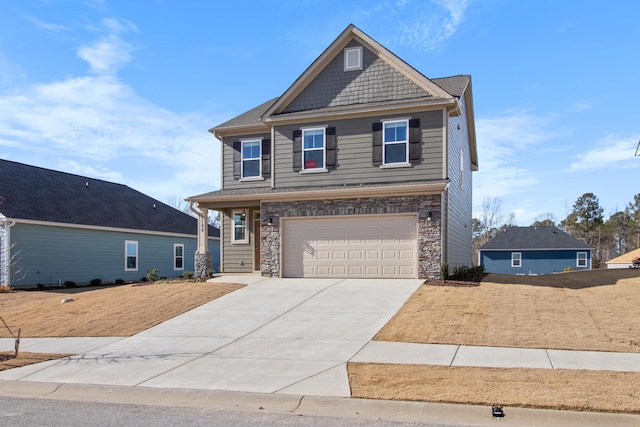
(270, 220)
(428, 216)
(243, 214)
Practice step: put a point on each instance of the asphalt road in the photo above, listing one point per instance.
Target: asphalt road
(21, 412)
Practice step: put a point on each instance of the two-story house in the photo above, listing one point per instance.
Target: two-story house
(361, 168)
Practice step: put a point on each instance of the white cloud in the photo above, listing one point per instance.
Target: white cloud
(610, 150)
(430, 28)
(95, 125)
(106, 55)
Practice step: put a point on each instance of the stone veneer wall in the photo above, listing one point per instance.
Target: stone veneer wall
(429, 233)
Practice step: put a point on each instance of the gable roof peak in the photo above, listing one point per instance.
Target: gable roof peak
(336, 47)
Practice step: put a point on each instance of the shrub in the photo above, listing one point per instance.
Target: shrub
(69, 284)
(187, 275)
(40, 286)
(444, 270)
(468, 274)
(152, 275)
(5, 289)
(119, 282)
(568, 269)
(95, 282)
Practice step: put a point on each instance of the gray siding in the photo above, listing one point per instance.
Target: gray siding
(237, 257)
(50, 255)
(460, 204)
(228, 182)
(376, 82)
(354, 155)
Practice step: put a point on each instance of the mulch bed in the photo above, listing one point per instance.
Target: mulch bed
(454, 283)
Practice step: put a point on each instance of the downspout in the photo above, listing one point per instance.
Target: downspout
(273, 157)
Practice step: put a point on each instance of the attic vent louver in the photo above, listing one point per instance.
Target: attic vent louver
(353, 58)
(86, 184)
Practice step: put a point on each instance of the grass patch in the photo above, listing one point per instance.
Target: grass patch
(118, 311)
(537, 388)
(590, 318)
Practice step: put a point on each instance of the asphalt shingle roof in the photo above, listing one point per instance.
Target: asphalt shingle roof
(534, 238)
(38, 194)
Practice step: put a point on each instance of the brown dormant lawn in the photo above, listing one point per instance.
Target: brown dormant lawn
(97, 311)
(106, 311)
(599, 314)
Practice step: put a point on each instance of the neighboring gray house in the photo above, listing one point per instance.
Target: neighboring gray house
(534, 250)
(57, 227)
(361, 168)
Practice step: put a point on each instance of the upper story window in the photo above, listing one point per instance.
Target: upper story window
(395, 142)
(581, 260)
(313, 149)
(240, 230)
(130, 255)
(251, 158)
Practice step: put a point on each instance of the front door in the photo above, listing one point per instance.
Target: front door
(256, 244)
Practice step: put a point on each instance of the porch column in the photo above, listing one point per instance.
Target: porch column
(202, 260)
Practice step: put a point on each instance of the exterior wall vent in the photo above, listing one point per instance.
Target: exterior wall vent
(353, 58)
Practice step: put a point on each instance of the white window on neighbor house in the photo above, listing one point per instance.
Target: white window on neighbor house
(581, 260)
(251, 159)
(178, 256)
(240, 227)
(395, 142)
(516, 259)
(313, 149)
(353, 58)
(130, 255)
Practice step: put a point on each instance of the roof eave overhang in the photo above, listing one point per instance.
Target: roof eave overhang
(226, 201)
(240, 130)
(450, 104)
(535, 249)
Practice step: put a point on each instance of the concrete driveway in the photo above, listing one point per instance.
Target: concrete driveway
(290, 336)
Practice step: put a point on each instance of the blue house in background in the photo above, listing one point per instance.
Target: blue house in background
(57, 227)
(534, 250)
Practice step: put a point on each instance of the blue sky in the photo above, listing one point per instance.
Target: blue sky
(126, 90)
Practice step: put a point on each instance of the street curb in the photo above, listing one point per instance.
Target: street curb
(349, 408)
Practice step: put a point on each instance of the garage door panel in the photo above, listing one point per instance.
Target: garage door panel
(367, 246)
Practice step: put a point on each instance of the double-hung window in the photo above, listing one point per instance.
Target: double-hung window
(581, 260)
(313, 149)
(240, 232)
(251, 159)
(516, 259)
(178, 256)
(130, 255)
(395, 142)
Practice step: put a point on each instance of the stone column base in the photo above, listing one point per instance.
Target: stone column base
(202, 263)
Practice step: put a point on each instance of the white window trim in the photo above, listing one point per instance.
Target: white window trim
(324, 150)
(348, 52)
(127, 243)
(242, 160)
(175, 257)
(519, 259)
(586, 259)
(233, 228)
(384, 144)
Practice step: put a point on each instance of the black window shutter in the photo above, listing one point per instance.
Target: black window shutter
(237, 160)
(377, 143)
(266, 157)
(297, 150)
(415, 142)
(331, 148)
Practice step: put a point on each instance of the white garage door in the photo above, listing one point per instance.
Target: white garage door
(368, 246)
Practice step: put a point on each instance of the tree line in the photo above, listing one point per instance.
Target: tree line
(618, 234)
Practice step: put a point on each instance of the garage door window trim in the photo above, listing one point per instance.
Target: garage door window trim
(240, 233)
